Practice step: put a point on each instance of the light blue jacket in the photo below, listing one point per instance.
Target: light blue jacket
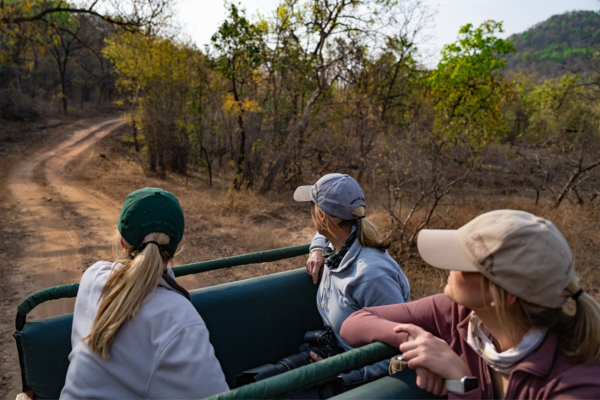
(366, 277)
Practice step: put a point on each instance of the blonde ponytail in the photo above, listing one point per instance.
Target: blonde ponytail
(125, 291)
(368, 234)
(578, 334)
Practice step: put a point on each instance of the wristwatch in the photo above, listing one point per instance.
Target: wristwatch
(464, 385)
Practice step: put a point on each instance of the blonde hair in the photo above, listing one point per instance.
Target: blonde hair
(578, 334)
(124, 292)
(368, 234)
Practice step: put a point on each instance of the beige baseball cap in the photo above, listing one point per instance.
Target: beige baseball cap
(522, 253)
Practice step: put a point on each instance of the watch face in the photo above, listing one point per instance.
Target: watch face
(471, 384)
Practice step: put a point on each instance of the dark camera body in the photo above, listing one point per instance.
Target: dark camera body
(321, 342)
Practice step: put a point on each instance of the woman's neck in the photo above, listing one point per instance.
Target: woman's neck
(338, 237)
(500, 337)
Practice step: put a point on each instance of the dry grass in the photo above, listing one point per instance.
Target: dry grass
(579, 225)
(221, 222)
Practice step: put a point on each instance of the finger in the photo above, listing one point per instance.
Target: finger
(417, 361)
(421, 378)
(315, 275)
(315, 356)
(439, 384)
(410, 328)
(409, 355)
(407, 346)
(430, 381)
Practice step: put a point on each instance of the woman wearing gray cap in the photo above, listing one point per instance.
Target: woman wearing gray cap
(135, 332)
(499, 329)
(358, 271)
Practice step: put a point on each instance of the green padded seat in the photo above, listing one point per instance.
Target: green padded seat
(251, 322)
(260, 320)
(44, 348)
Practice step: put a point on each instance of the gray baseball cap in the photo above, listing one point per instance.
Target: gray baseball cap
(336, 194)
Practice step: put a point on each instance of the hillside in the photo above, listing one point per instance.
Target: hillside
(560, 43)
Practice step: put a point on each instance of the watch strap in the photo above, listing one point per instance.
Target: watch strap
(454, 385)
(464, 385)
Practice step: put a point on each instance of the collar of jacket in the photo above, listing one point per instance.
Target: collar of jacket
(538, 363)
(171, 284)
(350, 256)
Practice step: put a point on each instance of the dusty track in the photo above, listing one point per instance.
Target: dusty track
(52, 247)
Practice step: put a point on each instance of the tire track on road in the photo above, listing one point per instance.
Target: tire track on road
(52, 247)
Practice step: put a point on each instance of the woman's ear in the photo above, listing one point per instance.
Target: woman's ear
(123, 244)
(510, 299)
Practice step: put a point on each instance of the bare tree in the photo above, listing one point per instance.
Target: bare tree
(315, 26)
(134, 15)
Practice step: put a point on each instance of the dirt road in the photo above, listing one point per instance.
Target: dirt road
(61, 203)
(52, 249)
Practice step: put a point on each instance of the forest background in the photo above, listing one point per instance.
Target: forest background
(323, 86)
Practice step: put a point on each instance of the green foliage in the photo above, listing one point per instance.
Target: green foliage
(562, 41)
(559, 111)
(239, 44)
(160, 78)
(468, 86)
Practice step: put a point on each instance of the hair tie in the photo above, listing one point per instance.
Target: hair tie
(364, 216)
(152, 241)
(576, 295)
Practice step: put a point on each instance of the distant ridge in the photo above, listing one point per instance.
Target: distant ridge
(560, 43)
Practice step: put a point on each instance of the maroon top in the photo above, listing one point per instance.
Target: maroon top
(544, 374)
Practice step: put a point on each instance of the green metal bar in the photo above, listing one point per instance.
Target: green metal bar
(70, 290)
(252, 258)
(310, 374)
(53, 293)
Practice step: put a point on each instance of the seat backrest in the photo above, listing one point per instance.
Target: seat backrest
(251, 322)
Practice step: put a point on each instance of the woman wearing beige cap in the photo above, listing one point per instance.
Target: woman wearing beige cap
(499, 330)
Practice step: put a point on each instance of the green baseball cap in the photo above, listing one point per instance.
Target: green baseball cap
(151, 210)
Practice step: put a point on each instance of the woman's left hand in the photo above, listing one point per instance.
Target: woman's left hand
(432, 353)
(315, 356)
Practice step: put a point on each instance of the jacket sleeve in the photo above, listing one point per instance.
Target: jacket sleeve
(187, 368)
(318, 241)
(376, 324)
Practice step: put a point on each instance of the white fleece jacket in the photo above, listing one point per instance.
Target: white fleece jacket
(162, 352)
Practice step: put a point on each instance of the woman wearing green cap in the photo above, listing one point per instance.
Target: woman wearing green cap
(135, 332)
(499, 330)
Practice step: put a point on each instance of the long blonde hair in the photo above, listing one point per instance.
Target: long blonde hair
(578, 334)
(368, 234)
(125, 290)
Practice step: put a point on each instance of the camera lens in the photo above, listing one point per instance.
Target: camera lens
(296, 360)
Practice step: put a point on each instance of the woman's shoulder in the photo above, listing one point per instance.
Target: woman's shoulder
(171, 308)
(577, 379)
(372, 263)
(95, 271)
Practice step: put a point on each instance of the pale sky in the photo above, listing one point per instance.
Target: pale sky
(201, 18)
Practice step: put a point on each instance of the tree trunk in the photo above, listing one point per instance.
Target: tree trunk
(571, 182)
(135, 141)
(240, 174)
(299, 128)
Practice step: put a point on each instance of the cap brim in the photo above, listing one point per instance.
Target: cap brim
(302, 194)
(440, 249)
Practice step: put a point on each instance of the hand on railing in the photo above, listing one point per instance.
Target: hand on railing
(314, 265)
